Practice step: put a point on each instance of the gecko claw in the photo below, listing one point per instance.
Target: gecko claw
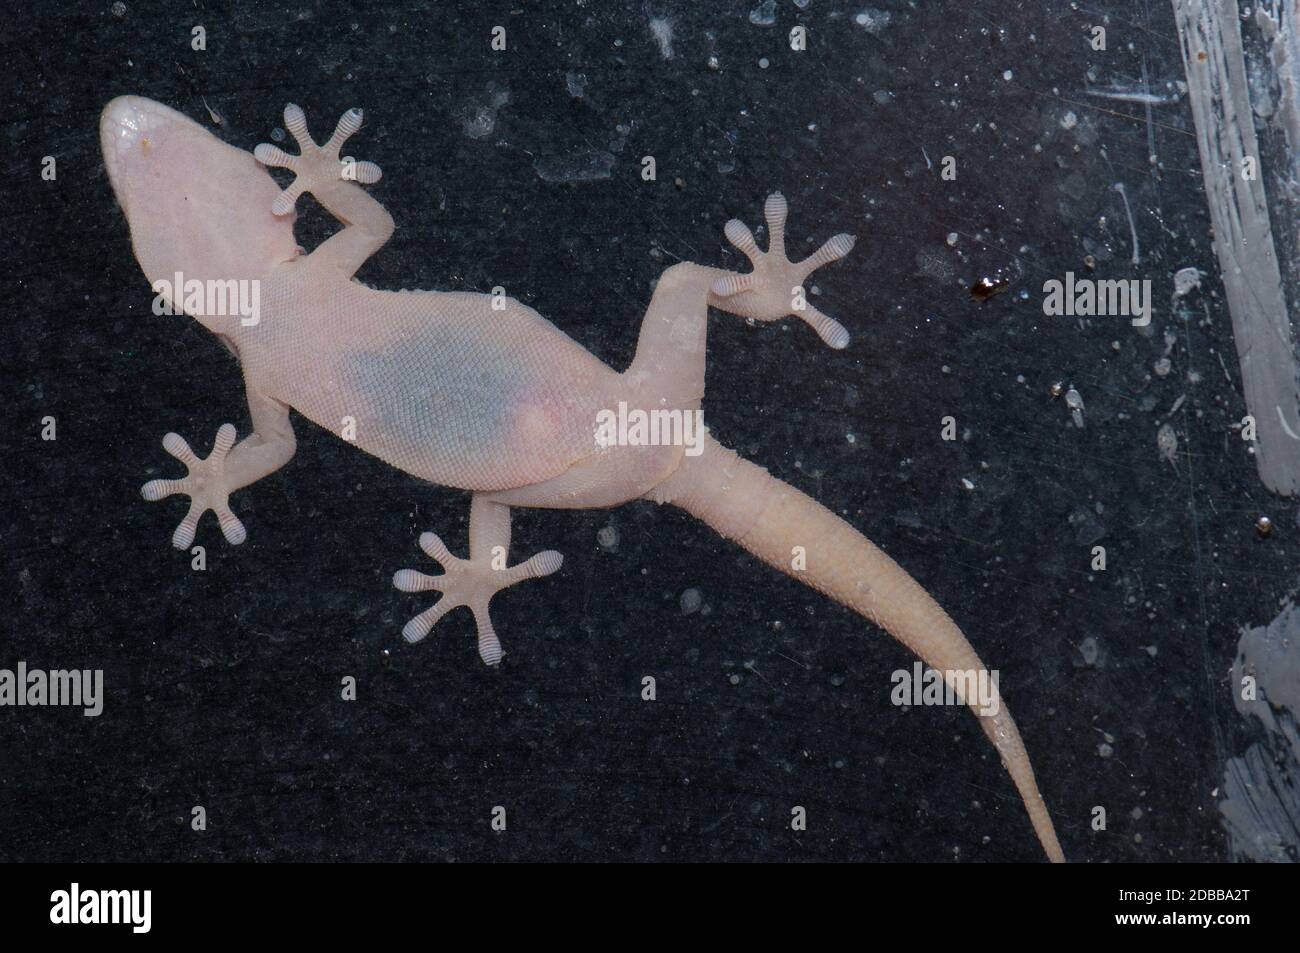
(774, 289)
(467, 582)
(315, 167)
(205, 484)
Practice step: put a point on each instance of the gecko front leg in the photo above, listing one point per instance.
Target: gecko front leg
(332, 180)
(229, 467)
(473, 582)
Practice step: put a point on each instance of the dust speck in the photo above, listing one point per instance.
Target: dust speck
(587, 165)
(1186, 280)
(480, 115)
(872, 20)
(607, 538)
(576, 84)
(662, 28)
(1167, 443)
(764, 14)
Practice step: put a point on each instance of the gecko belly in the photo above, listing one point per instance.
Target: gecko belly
(457, 428)
(475, 420)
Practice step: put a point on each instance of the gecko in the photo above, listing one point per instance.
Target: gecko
(479, 392)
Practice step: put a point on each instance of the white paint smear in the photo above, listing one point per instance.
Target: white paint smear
(1210, 38)
(1261, 803)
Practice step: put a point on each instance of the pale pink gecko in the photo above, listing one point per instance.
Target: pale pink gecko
(492, 399)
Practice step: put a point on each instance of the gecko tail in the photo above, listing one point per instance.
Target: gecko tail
(794, 533)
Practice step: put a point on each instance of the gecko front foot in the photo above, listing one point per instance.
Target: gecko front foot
(316, 167)
(206, 485)
(467, 582)
(774, 288)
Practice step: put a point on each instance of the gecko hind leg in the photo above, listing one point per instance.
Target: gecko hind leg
(473, 582)
(774, 289)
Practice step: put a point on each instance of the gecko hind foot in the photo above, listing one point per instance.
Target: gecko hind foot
(206, 485)
(471, 583)
(774, 289)
(316, 167)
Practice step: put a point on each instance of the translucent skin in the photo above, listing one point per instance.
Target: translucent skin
(434, 383)
(481, 392)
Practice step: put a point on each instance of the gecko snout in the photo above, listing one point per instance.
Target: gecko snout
(195, 204)
(129, 126)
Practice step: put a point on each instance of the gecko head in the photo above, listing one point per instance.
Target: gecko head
(195, 205)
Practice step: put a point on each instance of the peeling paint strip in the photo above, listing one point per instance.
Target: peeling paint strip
(1210, 36)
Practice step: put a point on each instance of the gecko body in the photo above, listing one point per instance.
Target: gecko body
(480, 392)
